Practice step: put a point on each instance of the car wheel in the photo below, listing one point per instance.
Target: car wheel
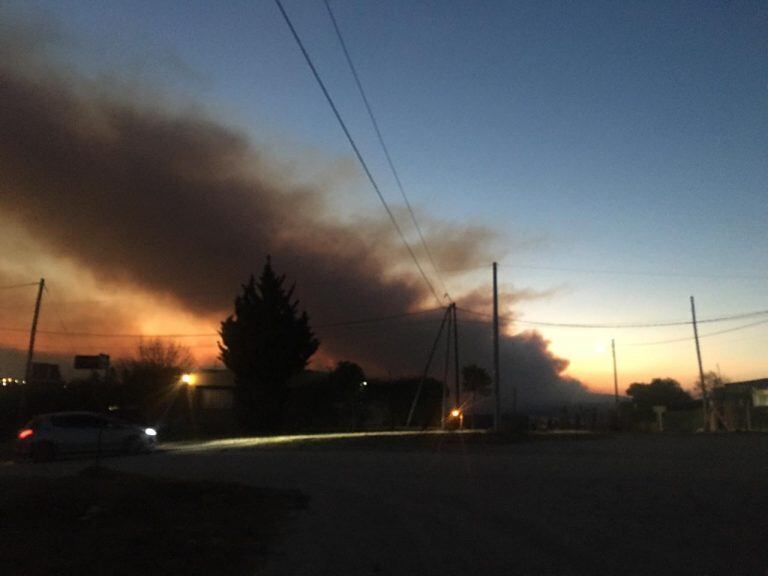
(43, 452)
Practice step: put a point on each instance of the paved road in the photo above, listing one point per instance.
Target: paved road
(457, 506)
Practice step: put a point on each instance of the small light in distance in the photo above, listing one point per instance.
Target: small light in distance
(455, 413)
(188, 379)
(26, 433)
(150, 431)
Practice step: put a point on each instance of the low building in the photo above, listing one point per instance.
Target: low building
(740, 406)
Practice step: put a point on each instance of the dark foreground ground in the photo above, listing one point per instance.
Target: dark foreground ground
(100, 521)
(458, 505)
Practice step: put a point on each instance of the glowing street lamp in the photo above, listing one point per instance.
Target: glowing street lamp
(457, 414)
(188, 379)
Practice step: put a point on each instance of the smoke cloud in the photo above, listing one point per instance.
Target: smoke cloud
(171, 210)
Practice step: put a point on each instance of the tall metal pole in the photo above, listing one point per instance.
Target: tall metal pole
(456, 356)
(701, 368)
(615, 376)
(615, 386)
(31, 351)
(447, 368)
(496, 373)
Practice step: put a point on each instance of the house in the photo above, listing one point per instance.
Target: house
(740, 406)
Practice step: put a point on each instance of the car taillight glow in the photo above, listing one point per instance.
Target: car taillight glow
(26, 433)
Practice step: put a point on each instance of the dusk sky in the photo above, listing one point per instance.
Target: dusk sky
(611, 156)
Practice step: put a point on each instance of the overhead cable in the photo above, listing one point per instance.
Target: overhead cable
(384, 146)
(690, 338)
(356, 150)
(661, 324)
(576, 270)
(359, 321)
(12, 286)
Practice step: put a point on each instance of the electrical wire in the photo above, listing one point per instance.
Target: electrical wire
(634, 272)
(356, 150)
(378, 319)
(708, 334)
(384, 147)
(622, 325)
(575, 270)
(360, 321)
(12, 286)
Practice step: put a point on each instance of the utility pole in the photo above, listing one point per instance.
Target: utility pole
(615, 376)
(496, 373)
(426, 368)
(456, 356)
(447, 368)
(615, 384)
(31, 351)
(701, 368)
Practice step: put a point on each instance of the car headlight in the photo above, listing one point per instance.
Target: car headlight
(150, 431)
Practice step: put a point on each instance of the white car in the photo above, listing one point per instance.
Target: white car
(49, 436)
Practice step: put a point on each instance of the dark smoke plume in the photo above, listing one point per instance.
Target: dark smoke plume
(176, 204)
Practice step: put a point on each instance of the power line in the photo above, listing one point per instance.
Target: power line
(56, 311)
(661, 324)
(355, 148)
(576, 270)
(12, 286)
(689, 338)
(378, 318)
(360, 321)
(634, 272)
(384, 146)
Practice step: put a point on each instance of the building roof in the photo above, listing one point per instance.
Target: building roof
(761, 383)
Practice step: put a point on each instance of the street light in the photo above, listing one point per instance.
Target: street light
(188, 379)
(458, 414)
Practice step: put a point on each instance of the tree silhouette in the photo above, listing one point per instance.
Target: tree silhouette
(265, 343)
(149, 380)
(660, 392)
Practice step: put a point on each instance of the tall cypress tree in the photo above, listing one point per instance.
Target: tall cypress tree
(265, 343)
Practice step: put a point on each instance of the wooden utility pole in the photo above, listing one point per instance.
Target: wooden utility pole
(447, 368)
(615, 376)
(426, 369)
(456, 356)
(615, 385)
(496, 373)
(705, 411)
(33, 332)
(31, 351)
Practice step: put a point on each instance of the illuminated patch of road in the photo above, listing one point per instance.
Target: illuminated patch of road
(252, 442)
